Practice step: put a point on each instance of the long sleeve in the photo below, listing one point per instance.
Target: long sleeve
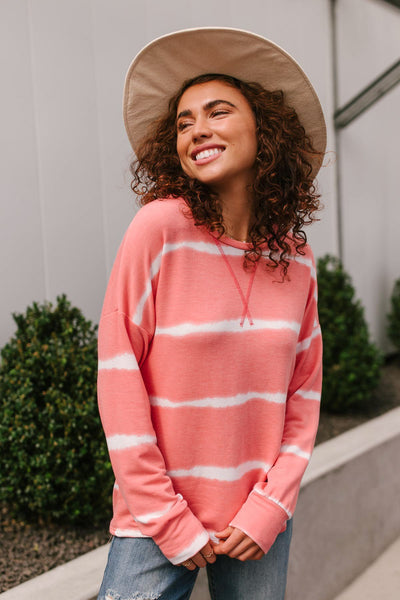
(209, 382)
(271, 503)
(126, 330)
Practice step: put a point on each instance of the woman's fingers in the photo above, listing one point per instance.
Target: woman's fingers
(243, 546)
(238, 545)
(225, 533)
(234, 542)
(206, 555)
(199, 560)
(188, 564)
(251, 554)
(230, 542)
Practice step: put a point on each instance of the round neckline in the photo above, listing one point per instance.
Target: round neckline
(224, 239)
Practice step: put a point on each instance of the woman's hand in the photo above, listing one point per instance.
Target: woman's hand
(206, 555)
(236, 544)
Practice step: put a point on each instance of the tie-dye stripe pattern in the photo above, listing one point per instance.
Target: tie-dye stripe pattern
(206, 414)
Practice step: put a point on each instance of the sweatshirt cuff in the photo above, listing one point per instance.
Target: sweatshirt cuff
(198, 543)
(261, 519)
(181, 537)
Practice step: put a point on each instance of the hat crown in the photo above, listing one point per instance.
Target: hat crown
(160, 68)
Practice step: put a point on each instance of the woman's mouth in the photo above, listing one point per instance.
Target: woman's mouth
(206, 154)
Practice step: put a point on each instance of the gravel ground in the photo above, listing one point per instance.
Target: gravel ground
(386, 397)
(28, 550)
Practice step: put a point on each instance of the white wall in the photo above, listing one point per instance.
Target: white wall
(370, 168)
(368, 43)
(64, 186)
(369, 159)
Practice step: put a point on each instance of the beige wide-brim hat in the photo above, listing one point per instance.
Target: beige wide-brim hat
(160, 68)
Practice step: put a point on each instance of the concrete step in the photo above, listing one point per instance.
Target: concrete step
(79, 579)
(380, 580)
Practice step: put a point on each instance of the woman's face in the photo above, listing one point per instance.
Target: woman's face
(216, 135)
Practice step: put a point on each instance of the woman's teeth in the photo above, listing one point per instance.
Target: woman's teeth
(207, 153)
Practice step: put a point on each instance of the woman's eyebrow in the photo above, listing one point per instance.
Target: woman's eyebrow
(207, 106)
(213, 103)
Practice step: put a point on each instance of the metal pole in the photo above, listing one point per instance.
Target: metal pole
(337, 133)
(368, 96)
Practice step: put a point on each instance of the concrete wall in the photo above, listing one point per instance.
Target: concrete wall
(368, 42)
(65, 199)
(370, 180)
(348, 510)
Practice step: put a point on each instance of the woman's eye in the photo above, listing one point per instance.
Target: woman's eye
(183, 125)
(217, 113)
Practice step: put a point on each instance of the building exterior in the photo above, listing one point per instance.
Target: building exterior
(65, 199)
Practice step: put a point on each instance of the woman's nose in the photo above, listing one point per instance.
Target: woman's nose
(200, 129)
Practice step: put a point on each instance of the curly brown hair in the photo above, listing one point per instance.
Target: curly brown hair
(285, 197)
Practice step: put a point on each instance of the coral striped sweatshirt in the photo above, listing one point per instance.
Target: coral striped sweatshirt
(209, 384)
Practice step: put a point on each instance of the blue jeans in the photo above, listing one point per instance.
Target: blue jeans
(137, 570)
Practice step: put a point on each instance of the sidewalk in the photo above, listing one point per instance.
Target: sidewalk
(79, 580)
(379, 580)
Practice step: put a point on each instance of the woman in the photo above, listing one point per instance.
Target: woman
(209, 343)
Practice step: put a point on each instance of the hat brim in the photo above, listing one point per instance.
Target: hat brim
(160, 68)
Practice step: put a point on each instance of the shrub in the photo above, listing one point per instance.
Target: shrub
(53, 457)
(351, 362)
(394, 316)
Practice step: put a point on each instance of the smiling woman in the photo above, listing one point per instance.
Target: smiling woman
(262, 191)
(216, 138)
(209, 350)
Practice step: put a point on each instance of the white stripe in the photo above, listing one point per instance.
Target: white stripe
(219, 402)
(121, 442)
(304, 261)
(310, 395)
(138, 316)
(287, 511)
(129, 533)
(199, 542)
(306, 343)
(213, 537)
(154, 269)
(148, 517)
(295, 258)
(231, 326)
(286, 449)
(125, 362)
(203, 247)
(221, 473)
(116, 486)
(262, 493)
(156, 265)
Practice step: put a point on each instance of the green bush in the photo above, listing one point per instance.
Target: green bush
(54, 465)
(351, 363)
(394, 316)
